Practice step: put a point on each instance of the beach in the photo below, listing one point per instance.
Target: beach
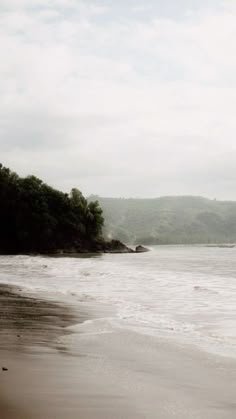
(59, 368)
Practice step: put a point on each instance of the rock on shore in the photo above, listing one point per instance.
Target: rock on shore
(141, 249)
(116, 246)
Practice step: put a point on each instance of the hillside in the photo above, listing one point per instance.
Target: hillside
(34, 217)
(169, 220)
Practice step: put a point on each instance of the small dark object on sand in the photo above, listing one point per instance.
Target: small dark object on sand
(4, 369)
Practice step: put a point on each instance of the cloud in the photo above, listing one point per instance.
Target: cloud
(98, 100)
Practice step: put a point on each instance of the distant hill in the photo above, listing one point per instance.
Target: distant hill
(169, 220)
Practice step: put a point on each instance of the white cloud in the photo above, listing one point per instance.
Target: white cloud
(86, 96)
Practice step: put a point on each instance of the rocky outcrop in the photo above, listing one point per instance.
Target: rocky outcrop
(116, 246)
(100, 246)
(141, 249)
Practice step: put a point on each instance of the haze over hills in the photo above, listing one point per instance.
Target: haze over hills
(169, 220)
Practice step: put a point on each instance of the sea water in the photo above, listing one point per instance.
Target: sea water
(187, 293)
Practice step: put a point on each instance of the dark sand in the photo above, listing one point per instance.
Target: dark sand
(55, 374)
(26, 320)
(30, 330)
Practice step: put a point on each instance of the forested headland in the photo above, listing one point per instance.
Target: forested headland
(34, 217)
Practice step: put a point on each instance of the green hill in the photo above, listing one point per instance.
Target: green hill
(35, 217)
(169, 220)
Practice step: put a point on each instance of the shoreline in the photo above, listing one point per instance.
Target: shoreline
(29, 320)
(112, 247)
(80, 372)
(31, 332)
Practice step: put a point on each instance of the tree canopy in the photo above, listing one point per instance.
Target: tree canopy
(35, 217)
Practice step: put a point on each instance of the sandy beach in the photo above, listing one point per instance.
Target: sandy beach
(55, 373)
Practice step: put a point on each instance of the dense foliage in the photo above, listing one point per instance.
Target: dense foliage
(169, 220)
(34, 217)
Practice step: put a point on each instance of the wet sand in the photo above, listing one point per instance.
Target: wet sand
(26, 320)
(56, 374)
(28, 326)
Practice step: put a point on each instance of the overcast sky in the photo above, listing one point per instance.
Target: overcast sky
(120, 97)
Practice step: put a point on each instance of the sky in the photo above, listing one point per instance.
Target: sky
(123, 98)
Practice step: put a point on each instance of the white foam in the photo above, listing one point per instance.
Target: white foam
(189, 292)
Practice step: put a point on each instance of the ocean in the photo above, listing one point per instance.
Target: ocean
(184, 293)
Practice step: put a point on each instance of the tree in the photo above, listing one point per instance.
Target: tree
(94, 219)
(35, 217)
